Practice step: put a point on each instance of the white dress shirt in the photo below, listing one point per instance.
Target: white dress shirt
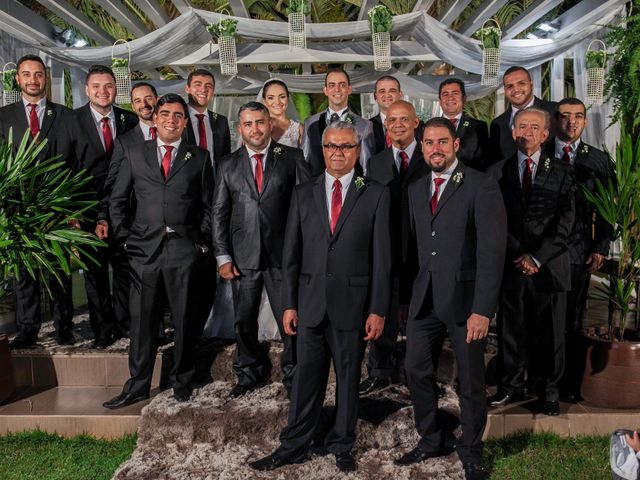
(409, 151)
(341, 114)
(207, 128)
(522, 165)
(41, 106)
(253, 161)
(559, 152)
(345, 180)
(97, 119)
(446, 175)
(146, 130)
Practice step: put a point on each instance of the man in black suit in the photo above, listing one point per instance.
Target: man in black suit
(518, 90)
(590, 237)
(206, 129)
(335, 292)
(166, 238)
(386, 92)
(538, 193)
(252, 195)
(459, 224)
(473, 134)
(397, 167)
(45, 120)
(337, 88)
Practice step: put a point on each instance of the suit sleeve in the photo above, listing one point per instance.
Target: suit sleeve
(114, 166)
(120, 199)
(302, 168)
(291, 255)
(411, 266)
(220, 215)
(381, 258)
(554, 241)
(207, 198)
(491, 243)
(368, 146)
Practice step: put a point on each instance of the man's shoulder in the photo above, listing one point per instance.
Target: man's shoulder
(313, 119)
(131, 137)
(550, 107)
(502, 119)
(218, 117)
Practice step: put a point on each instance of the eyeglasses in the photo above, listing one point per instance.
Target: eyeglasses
(343, 148)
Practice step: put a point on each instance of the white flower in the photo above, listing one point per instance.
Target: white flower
(214, 115)
(187, 156)
(465, 124)
(277, 151)
(585, 148)
(359, 183)
(348, 118)
(547, 164)
(457, 178)
(122, 119)
(49, 113)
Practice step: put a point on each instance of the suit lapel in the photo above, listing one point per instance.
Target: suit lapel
(50, 114)
(270, 166)
(322, 124)
(542, 172)
(247, 171)
(319, 194)
(461, 126)
(352, 195)
(451, 188)
(180, 160)
(151, 158)
(120, 121)
(414, 165)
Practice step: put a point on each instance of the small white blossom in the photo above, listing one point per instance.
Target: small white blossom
(457, 178)
(465, 124)
(547, 164)
(187, 156)
(359, 183)
(49, 113)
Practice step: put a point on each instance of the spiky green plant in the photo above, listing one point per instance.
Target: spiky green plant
(38, 198)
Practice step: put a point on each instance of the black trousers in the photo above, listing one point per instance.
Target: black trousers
(382, 361)
(108, 308)
(317, 346)
(28, 308)
(172, 276)
(575, 354)
(531, 338)
(208, 282)
(248, 363)
(424, 342)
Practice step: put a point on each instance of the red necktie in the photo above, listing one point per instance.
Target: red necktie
(166, 160)
(566, 149)
(34, 123)
(436, 189)
(454, 122)
(258, 171)
(387, 140)
(336, 204)
(527, 177)
(153, 131)
(404, 164)
(107, 136)
(202, 132)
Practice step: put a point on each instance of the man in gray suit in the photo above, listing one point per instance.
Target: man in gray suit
(460, 227)
(337, 88)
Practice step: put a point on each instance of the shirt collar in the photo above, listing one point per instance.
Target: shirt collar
(175, 145)
(145, 129)
(345, 180)
(448, 172)
(560, 144)
(340, 113)
(264, 151)
(514, 110)
(193, 112)
(98, 116)
(42, 103)
(383, 117)
(535, 157)
(409, 150)
(457, 117)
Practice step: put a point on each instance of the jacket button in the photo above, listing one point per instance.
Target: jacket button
(329, 275)
(433, 234)
(433, 254)
(331, 249)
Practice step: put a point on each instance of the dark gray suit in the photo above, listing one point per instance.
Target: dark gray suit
(474, 142)
(461, 249)
(334, 282)
(164, 264)
(55, 129)
(221, 136)
(249, 227)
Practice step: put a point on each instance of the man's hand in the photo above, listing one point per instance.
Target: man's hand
(526, 265)
(477, 327)
(290, 321)
(74, 223)
(228, 271)
(403, 315)
(374, 327)
(102, 229)
(634, 442)
(594, 262)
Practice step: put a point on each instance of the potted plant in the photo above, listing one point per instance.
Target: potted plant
(613, 358)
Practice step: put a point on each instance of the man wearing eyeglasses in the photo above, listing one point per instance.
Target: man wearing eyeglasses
(335, 294)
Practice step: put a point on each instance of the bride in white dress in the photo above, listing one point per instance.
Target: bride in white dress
(275, 95)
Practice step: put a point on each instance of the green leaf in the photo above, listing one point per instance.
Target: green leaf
(9, 80)
(380, 19)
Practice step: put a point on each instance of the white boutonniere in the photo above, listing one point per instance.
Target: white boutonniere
(122, 118)
(585, 148)
(457, 178)
(214, 115)
(348, 118)
(465, 124)
(547, 164)
(359, 183)
(277, 152)
(187, 156)
(49, 113)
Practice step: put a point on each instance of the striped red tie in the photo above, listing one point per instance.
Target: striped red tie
(336, 204)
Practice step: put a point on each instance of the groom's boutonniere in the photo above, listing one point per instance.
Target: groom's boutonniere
(457, 178)
(585, 149)
(348, 118)
(187, 156)
(214, 115)
(547, 165)
(122, 119)
(359, 183)
(277, 152)
(465, 124)
(49, 113)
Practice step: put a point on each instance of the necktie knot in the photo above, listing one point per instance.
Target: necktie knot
(34, 122)
(566, 149)
(438, 181)
(32, 106)
(105, 120)
(337, 185)
(334, 117)
(107, 135)
(168, 148)
(200, 116)
(454, 122)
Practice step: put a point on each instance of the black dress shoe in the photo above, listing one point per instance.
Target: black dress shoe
(373, 384)
(270, 462)
(23, 342)
(240, 390)
(101, 343)
(65, 339)
(502, 399)
(345, 462)
(182, 394)
(473, 471)
(417, 455)
(123, 400)
(551, 408)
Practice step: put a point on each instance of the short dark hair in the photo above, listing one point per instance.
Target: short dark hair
(570, 101)
(253, 107)
(30, 58)
(515, 69)
(201, 72)
(172, 98)
(387, 77)
(337, 70)
(144, 84)
(452, 81)
(440, 122)
(274, 82)
(98, 70)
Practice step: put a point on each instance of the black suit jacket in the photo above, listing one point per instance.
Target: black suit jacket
(541, 225)
(181, 202)
(55, 128)
(502, 144)
(474, 142)
(590, 233)
(344, 276)
(90, 153)
(461, 247)
(247, 226)
(221, 136)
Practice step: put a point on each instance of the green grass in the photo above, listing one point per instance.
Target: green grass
(524, 456)
(547, 456)
(44, 456)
